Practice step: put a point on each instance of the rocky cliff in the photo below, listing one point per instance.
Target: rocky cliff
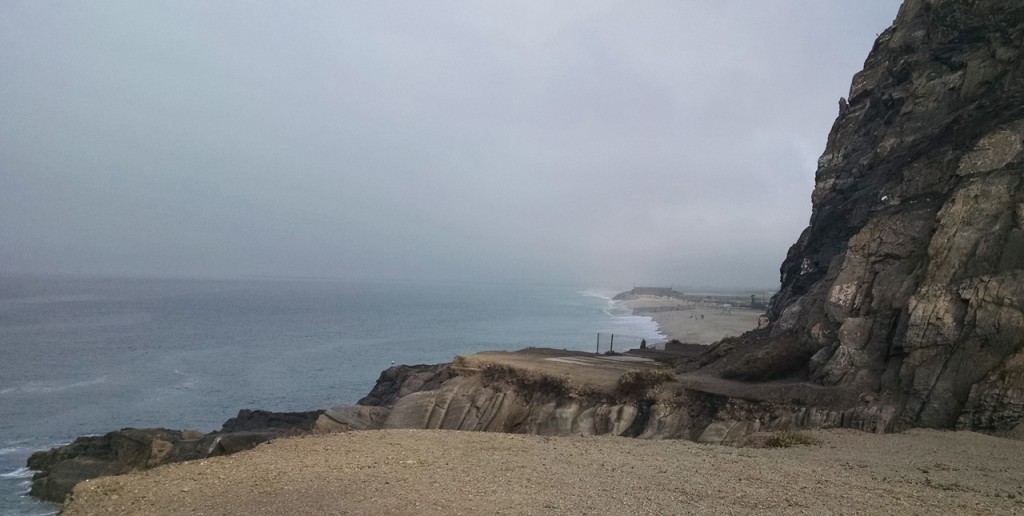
(909, 281)
(526, 392)
(131, 449)
(901, 304)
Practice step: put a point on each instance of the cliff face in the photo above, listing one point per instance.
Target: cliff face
(909, 280)
(902, 303)
(130, 449)
(499, 398)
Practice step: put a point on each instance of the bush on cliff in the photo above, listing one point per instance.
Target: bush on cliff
(636, 384)
(526, 382)
(789, 438)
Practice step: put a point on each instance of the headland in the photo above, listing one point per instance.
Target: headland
(695, 318)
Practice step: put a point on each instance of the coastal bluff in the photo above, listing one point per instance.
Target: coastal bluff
(901, 304)
(535, 391)
(908, 284)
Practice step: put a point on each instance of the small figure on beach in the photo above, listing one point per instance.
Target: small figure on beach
(643, 343)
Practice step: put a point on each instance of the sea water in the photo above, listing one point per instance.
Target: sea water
(84, 356)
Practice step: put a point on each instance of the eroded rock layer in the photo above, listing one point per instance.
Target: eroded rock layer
(909, 280)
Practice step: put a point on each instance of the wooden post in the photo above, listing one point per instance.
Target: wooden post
(598, 351)
(611, 347)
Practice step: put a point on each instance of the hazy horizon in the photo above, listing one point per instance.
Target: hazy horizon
(597, 142)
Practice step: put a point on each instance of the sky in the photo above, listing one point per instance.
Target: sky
(589, 141)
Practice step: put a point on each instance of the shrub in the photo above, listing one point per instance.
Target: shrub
(789, 438)
(526, 382)
(637, 383)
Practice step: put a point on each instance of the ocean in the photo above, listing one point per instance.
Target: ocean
(84, 356)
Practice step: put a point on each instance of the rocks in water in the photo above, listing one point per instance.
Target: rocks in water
(114, 453)
(909, 280)
(131, 449)
(262, 420)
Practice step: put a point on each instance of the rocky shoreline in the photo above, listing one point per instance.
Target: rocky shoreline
(131, 449)
(534, 391)
(899, 307)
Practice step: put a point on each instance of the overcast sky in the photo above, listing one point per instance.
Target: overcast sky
(601, 142)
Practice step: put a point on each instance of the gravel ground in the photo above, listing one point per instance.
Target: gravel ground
(439, 472)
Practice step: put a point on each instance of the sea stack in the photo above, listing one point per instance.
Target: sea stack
(908, 283)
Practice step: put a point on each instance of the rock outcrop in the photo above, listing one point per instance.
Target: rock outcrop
(646, 402)
(132, 449)
(901, 304)
(909, 281)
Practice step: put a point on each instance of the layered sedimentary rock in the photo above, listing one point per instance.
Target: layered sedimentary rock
(909, 280)
(499, 398)
(901, 304)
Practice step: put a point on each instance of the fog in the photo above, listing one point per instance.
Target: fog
(602, 142)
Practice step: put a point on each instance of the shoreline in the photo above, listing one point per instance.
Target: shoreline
(694, 320)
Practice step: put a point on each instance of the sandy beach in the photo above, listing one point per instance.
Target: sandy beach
(695, 321)
(437, 472)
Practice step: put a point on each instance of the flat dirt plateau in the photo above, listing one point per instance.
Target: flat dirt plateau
(438, 472)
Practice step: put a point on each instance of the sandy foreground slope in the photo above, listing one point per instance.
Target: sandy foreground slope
(438, 472)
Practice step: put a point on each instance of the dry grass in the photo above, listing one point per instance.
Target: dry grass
(637, 384)
(789, 438)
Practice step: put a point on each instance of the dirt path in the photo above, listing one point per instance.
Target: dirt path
(437, 472)
(578, 367)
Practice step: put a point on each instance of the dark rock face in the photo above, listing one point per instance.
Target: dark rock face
(401, 380)
(131, 449)
(114, 453)
(909, 280)
(262, 420)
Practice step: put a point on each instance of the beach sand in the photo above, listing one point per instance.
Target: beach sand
(437, 472)
(695, 322)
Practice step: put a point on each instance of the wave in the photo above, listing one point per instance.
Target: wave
(188, 383)
(601, 293)
(21, 472)
(15, 450)
(55, 298)
(35, 387)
